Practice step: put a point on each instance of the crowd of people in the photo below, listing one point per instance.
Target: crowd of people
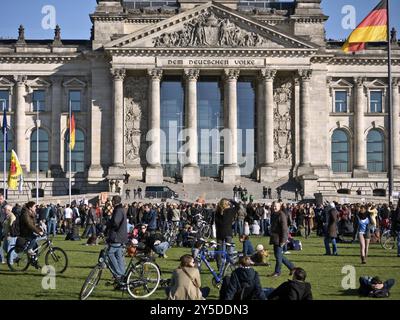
(147, 223)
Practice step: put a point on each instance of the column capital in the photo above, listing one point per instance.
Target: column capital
(56, 80)
(359, 81)
(20, 80)
(155, 74)
(231, 74)
(268, 74)
(305, 74)
(118, 73)
(191, 74)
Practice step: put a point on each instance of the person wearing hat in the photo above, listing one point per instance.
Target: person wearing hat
(261, 256)
(330, 230)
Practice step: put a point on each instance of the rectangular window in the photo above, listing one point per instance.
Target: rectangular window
(38, 100)
(75, 100)
(4, 99)
(340, 101)
(376, 98)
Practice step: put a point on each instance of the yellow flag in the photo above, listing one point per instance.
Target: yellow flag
(14, 172)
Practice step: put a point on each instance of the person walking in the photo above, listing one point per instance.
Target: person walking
(279, 237)
(117, 238)
(395, 218)
(330, 230)
(364, 232)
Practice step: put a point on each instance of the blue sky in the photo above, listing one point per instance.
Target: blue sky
(73, 17)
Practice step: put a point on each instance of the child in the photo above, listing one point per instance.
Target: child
(261, 257)
(248, 249)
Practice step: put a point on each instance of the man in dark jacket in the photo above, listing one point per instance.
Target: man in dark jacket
(117, 236)
(296, 289)
(150, 218)
(279, 237)
(244, 283)
(28, 225)
(395, 217)
(330, 230)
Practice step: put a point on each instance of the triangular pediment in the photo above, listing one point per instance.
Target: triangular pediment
(211, 25)
(341, 83)
(74, 82)
(4, 82)
(39, 82)
(376, 84)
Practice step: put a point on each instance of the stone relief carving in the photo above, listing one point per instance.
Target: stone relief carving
(210, 30)
(136, 89)
(283, 122)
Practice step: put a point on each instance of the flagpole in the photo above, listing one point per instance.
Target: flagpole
(4, 158)
(390, 107)
(69, 147)
(37, 154)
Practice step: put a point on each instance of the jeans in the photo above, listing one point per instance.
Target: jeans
(267, 292)
(9, 243)
(264, 223)
(221, 246)
(162, 248)
(327, 241)
(89, 230)
(51, 225)
(117, 259)
(240, 227)
(280, 258)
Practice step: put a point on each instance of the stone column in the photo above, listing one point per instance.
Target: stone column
(118, 122)
(305, 127)
(191, 170)
(56, 107)
(260, 123)
(231, 172)
(360, 152)
(396, 125)
(154, 173)
(20, 121)
(267, 171)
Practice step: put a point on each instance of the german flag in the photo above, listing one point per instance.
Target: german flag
(71, 132)
(372, 29)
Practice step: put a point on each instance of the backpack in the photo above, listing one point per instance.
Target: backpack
(381, 293)
(15, 228)
(52, 213)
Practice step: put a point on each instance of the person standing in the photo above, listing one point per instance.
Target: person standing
(235, 191)
(330, 230)
(240, 192)
(117, 237)
(139, 192)
(127, 193)
(150, 218)
(279, 237)
(296, 195)
(224, 218)
(364, 232)
(126, 177)
(68, 214)
(269, 193)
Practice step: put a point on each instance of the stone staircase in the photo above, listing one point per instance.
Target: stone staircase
(213, 190)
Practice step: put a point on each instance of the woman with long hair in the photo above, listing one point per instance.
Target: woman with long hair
(364, 233)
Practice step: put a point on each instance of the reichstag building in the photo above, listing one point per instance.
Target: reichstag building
(225, 89)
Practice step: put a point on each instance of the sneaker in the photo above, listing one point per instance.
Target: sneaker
(286, 252)
(165, 256)
(274, 275)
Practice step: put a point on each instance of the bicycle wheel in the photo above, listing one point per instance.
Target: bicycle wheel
(91, 282)
(389, 242)
(57, 258)
(143, 279)
(206, 232)
(17, 261)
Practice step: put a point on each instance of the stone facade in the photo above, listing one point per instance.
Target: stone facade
(120, 70)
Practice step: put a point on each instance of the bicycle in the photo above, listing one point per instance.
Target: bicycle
(18, 259)
(388, 240)
(227, 263)
(141, 278)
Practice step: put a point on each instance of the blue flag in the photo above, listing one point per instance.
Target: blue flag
(4, 129)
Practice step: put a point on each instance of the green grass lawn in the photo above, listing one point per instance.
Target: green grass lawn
(324, 272)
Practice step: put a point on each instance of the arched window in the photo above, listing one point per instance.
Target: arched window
(78, 153)
(375, 151)
(340, 151)
(9, 148)
(43, 150)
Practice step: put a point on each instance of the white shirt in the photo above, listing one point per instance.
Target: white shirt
(68, 213)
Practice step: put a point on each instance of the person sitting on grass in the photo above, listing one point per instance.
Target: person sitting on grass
(261, 256)
(248, 249)
(295, 289)
(186, 282)
(244, 283)
(374, 287)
